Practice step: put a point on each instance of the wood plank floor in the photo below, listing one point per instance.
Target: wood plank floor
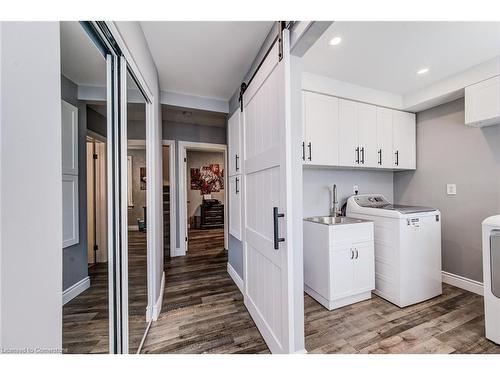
(203, 310)
(85, 318)
(450, 323)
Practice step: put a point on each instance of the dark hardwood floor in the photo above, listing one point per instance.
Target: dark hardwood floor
(203, 310)
(85, 318)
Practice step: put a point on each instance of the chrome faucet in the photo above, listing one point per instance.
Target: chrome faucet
(335, 206)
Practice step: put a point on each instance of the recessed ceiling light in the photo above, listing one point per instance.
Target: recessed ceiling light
(422, 71)
(335, 40)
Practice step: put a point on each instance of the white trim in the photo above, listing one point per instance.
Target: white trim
(136, 144)
(75, 289)
(236, 278)
(463, 283)
(301, 351)
(134, 228)
(96, 136)
(182, 147)
(173, 193)
(159, 302)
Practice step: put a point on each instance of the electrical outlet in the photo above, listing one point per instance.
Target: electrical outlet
(355, 189)
(451, 189)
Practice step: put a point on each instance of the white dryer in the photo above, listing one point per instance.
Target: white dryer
(491, 277)
(407, 248)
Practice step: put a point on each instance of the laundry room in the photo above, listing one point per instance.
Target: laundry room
(401, 166)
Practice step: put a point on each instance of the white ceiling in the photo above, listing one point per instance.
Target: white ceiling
(387, 55)
(206, 59)
(81, 61)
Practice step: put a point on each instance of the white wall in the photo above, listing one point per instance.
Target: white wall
(131, 40)
(31, 195)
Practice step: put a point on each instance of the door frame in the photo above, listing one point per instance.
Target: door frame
(173, 193)
(182, 168)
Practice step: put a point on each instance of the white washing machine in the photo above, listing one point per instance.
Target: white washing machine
(491, 277)
(407, 248)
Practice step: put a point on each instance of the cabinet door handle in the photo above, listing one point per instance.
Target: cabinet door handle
(277, 238)
(362, 155)
(357, 155)
(357, 254)
(310, 152)
(304, 151)
(397, 157)
(352, 254)
(380, 157)
(236, 157)
(237, 181)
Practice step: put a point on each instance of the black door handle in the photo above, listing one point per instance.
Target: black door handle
(237, 180)
(397, 157)
(357, 155)
(303, 150)
(380, 157)
(236, 157)
(362, 155)
(310, 147)
(277, 238)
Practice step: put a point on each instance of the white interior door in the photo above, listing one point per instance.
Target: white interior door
(267, 156)
(233, 127)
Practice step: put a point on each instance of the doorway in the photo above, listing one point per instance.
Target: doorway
(202, 197)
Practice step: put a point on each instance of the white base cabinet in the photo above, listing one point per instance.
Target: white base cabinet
(339, 263)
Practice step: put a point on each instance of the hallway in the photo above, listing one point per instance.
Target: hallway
(203, 310)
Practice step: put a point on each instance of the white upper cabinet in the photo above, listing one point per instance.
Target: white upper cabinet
(234, 143)
(482, 103)
(404, 140)
(321, 129)
(345, 133)
(384, 137)
(69, 138)
(366, 121)
(348, 134)
(358, 134)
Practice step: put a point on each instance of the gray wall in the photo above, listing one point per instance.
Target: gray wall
(317, 187)
(450, 152)
(189, 133)
(75, 266)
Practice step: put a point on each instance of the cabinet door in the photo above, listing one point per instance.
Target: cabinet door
(482, 101)
(235, 206)
(366, 121)
(234, 144)
(384, 138)
(364, 267)
(341, 280)
(69, 138)
(321, 124)
(404, 138)
(348, 135)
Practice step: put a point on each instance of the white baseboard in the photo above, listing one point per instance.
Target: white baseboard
(236, 278)
(463, 283)
(159, 302)
(301, 351)
(75, 289)
(133, 227)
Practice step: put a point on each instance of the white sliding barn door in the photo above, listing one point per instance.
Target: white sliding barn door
(267, 156)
